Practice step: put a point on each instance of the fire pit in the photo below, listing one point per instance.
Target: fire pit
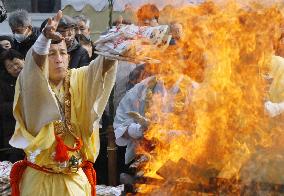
(217, 186)
(220, 126)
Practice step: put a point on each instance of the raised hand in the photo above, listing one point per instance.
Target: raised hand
(50, 29)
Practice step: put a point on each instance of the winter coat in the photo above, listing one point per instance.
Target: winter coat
(7, 121)
(24, 46)
(78, 55)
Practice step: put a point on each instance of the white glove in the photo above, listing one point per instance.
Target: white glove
(274, 109)
(135, 131)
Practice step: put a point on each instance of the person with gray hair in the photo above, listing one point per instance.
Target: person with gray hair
(83, 34)
(83, 25)
(24, 33)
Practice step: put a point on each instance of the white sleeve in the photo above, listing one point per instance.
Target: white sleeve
(133, 101)
(274, 109)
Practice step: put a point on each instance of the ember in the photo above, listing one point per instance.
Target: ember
(208, 144)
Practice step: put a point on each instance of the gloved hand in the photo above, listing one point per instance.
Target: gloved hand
(138, 118)
(135, 130)
(274, 109)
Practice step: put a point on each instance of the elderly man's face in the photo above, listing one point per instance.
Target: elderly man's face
(5, 44)
(68, 33)
(82, 28)
(58, 62)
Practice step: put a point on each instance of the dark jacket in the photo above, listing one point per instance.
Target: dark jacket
(7, 121)
(78, 55)
(24, 46)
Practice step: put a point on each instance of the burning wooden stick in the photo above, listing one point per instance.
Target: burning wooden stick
(215, 185)
(188, 177)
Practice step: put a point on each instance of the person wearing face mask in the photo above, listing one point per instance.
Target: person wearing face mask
(11, 64)
(24, 33)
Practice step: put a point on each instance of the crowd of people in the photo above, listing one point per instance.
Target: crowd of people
(54, 102)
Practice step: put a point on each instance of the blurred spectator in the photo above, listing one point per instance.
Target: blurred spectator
(140, 73)
(6, 42)
(11, 64)
(78, 55)
(24, 33)
(137, 75)
(131, 121)
(83, 25)
(176, 31)
(120, 21)
(83, 35)
(148, 15)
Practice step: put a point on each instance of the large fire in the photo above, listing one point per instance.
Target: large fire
(222, 130)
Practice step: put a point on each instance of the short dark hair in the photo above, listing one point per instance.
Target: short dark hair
(56, 41)
(10, 54)
(65, 22)
(6, 37)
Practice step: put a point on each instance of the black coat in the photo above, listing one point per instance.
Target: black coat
(78, 56)
(24, 46)
(7, 121)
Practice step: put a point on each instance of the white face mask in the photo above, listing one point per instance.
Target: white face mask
(20, 37)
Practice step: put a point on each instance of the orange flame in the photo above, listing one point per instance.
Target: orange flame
(227, 49)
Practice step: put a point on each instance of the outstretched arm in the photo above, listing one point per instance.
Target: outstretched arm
(42, 44)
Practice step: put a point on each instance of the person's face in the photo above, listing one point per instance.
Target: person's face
(58, 62)
(149, 22)
(21, 33)
(83, 29)
(5, 44)
(14, 66)
(68, 34)
(176, 31)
